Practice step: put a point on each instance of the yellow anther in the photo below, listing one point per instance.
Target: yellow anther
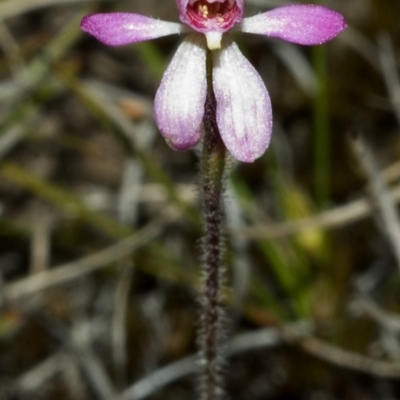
(203, 10)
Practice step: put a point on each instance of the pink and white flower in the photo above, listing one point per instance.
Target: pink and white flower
(244, 114)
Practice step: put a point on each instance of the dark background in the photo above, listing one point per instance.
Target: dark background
(99, 220)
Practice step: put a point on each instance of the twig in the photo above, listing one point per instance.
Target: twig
(92, 366)
(12, 136)
(12, 51)
(298, 65)
(118, 325)
(160, 378)
(40, 245)
(263, 338)
(297, 334)
(75, 352)
(349, 360)
(389, 324)
(386, 319)
(385, 203)
(361, 45)
(33, 379)
(239, 244)
(77, 269)
(338, 217)
(12, 8)
(129, 194)
(389, 69)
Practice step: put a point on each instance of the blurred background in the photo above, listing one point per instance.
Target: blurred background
(99, 218)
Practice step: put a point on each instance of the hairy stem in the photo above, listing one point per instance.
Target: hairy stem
(212, 187)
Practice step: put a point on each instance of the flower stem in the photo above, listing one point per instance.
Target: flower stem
(212, 188)
(322, 133)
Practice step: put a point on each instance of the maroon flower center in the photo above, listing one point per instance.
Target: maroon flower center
(218, 15)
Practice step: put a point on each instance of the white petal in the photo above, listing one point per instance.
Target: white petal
(244, 114)
(179, 102)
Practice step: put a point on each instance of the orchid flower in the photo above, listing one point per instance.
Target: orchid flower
(244, 114)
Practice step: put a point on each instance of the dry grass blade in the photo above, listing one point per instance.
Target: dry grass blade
(91, 364)
(297, 334)
(242, 343)
(389, 68)
(384, 201)
(331, 219)
(118, 327)
(350, 360)
(12, 8)
(76, 269)
(33, 379)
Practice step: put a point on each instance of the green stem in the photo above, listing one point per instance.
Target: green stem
(212, 188)
(321, 127)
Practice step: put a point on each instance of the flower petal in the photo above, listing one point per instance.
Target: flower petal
(302, 24)
(117, 29)
(244, 114)
(179, 102)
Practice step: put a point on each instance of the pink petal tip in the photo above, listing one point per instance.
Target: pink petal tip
(117, 29)
(301, 24)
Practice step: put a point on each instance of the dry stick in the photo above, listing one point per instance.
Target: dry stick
(76, 269)
(385, 319)
(384, 201)
(153, 382)
(12, 8)
(118, 326)
(337, 217)
(11, 51)
(91, 365)
(349, 360)
(212, 187)
(388, 63)
(33, 379)
(77, 350)
(297, 334)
